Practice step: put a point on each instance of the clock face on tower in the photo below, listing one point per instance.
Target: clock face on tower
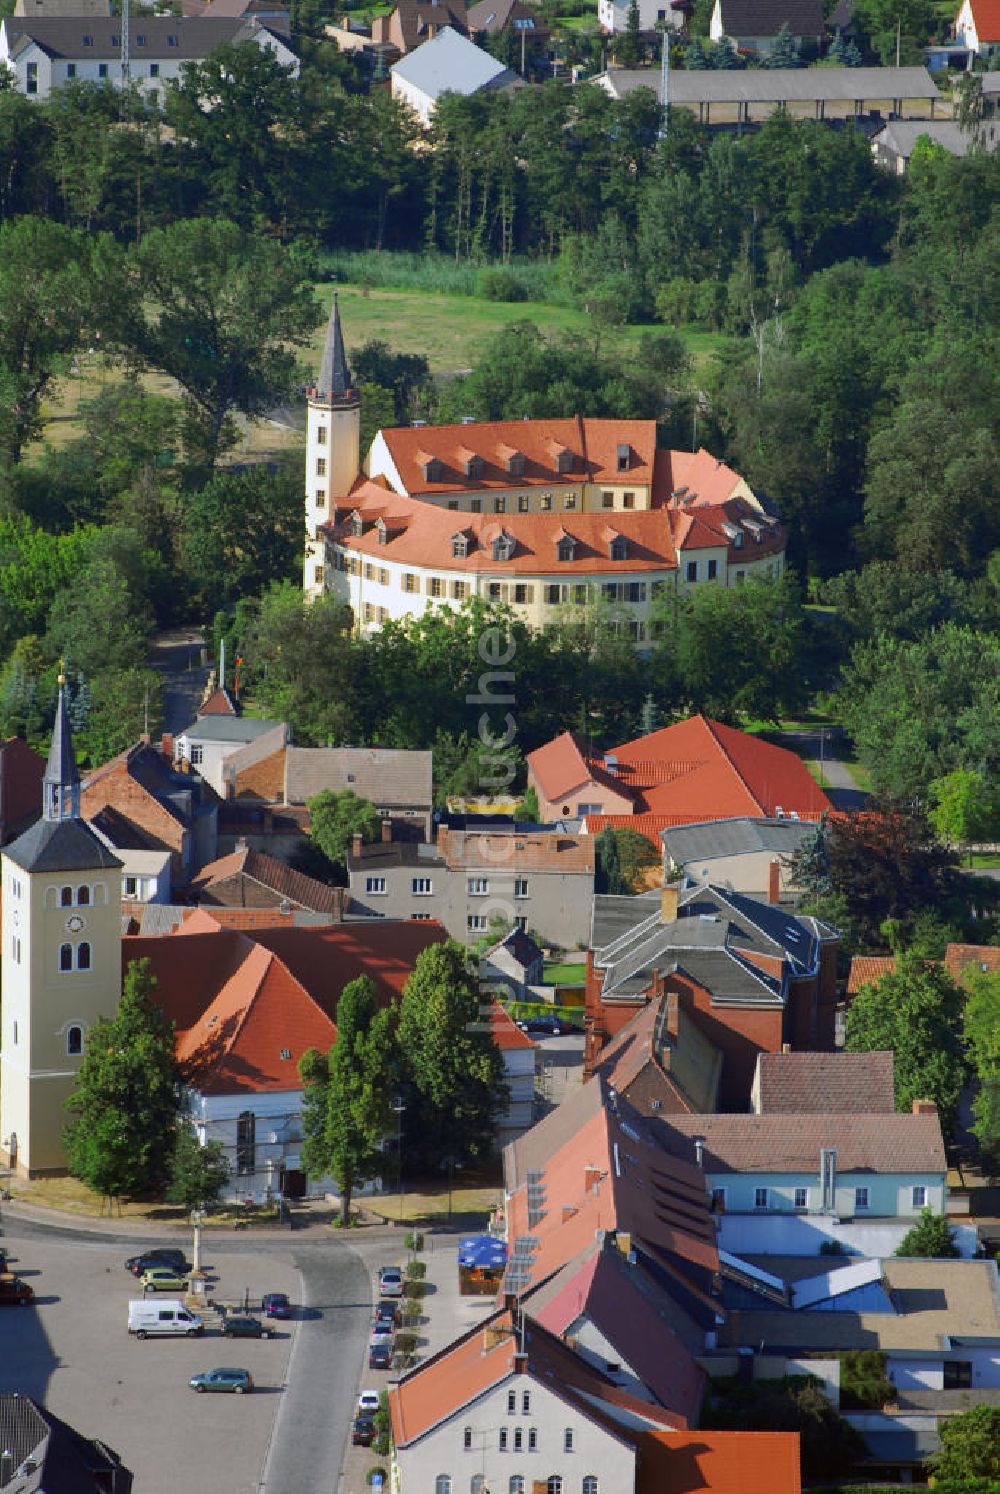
(74, 924)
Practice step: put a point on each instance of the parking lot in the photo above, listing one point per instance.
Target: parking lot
(72, 1349)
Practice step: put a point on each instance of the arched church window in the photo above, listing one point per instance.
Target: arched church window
(65, 957)
(74, 1041)
(83, 895)
(66, 897)
(83, 956)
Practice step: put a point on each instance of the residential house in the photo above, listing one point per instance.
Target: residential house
(977, 26)
(654, 15)
(147, 868)
(519, 1053)
(514, 963)
(868, 970)
(71, 8)
(510, 1406)
(542, 882)
(447, 63)
(218, 702)
(752, 975)
(694, 771)
(937, 1322)
(839, 1083)
(491, 18)
(783, 1184)
(893, 145)
(42, 1454)
(413, 22)
(266, 12)
(212, 739)
(747, 854)
(661, 1062)
(251, 879)
(44, 52)
(753, 25)
(21, 770)
(398, 782)
(172, 811)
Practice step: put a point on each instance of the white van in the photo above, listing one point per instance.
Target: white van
(166, 1316)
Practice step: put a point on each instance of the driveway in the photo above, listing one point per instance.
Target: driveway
(176, 656)
(841, 788)
(73, 1351)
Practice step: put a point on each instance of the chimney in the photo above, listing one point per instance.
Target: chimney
(673, 1013)
(786, 1047)
(699, 1151)
(624, 1241)
(442, 836)
(520, 1364)
(774, 882)
(356, 843)
(386, 831)
(924, 1107)
(167, 746)
(668, 904)
(591, 1178)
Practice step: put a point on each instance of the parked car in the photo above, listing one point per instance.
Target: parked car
(380, 1353)
(162, 1317)
(369, 1402)
(363, 1431)
(175, 1259)
(388, 1313)
(235, 1381)
(381, 1329)
(14, 1291)
(390, 1282)
(550, 1026)
(247, 1328)
(276, 1305)
(163, 1279)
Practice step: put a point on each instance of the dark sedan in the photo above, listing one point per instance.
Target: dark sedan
(246, 1328)
(140, 1264)
(363, 1431)
(276, 1305)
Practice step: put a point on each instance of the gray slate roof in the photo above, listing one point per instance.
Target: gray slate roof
(236, 729)
(386, 775)
(901, 135)
(63, 36)
(60, 845)
(450, 63)
(777, 85)
(736, 837)
(766, 17)
(334, 379)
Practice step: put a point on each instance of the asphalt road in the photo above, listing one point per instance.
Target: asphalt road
(72, 1350)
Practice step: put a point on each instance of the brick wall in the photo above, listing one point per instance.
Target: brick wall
(740, 1033)
(119, 789)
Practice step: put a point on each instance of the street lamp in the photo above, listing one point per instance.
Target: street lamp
(398, 1105)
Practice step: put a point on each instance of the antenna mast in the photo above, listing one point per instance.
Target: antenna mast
(665, 81)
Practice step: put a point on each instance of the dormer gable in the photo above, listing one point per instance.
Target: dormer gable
(565, 546)
(502, 546)
(562, 457)
(617, 544)
(470, 462)
(431, 468)
(624, 456)
(356, 524)
(460, 544)
(511, 459)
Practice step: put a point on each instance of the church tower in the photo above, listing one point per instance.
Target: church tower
(333, 446)
(61, 961)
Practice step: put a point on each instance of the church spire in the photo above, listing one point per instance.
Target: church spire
(61, 784)
(334, 381)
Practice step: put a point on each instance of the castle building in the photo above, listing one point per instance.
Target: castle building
(535, 514)
(61, 962)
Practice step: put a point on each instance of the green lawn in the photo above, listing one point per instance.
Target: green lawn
(452, 331)
(565, 974)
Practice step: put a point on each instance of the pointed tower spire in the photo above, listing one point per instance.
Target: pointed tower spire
(61, 783)
(334, 381)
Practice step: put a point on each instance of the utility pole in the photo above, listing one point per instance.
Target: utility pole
(665, 83)
(898, 23)
(125, 39)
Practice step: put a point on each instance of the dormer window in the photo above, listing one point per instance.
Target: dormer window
(619, 547)
(459, 546)
(472, 463)
(383, 531)
(356, 524)
(566, 548)
(430, 467)
(562, 457)
(624, 456)
(502, 547)
(512, 459)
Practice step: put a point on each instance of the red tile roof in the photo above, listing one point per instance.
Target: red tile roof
(986, 14)
(506, 1033)
(421, 533)
(719, 1463)
(592, 444)
(219, 703)
(868, 970)
(845, 1083)
(958, 957)
(271, 874)
(560, 766)
(792, 1143)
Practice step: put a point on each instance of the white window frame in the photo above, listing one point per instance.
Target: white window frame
(862, 1199)
(521, 887)
(479, 886)
(921, 1202)
(795, 1198)
(375, 886)
(761, 1202)
(477, 923)
(422, 887)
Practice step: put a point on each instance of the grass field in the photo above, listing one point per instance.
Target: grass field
(565, 974)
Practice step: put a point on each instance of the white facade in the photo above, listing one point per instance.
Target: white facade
(145, 874)
(654, 15)
(967, 31)
(333, 461)
(797, 1234)
(517, 1429)
(209, 754)
(519, 1077)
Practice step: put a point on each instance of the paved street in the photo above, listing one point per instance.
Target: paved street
(840, 786)
(176, 656)
(73, 1350)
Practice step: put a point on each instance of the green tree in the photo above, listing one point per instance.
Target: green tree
(241, 532)
(450, 1059)
(527, 808)
(46, 299)
(629, 46)
(198, 1174)
(335, 817)
(918, 710)
(829, 1445)
(123, 704)
(223, 310)
(965, 809)
(916, 1011)
(970, 1447)
(346, 1113)
(99, 621)
(932, 1236)
(785, 51)
(981, 1030)
(610, 878)
(126, 1099)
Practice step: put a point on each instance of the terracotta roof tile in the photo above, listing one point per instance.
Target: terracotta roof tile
(274, 875)
(826, 1083)
(792, 1143)
(219, 703)
(958, 957)
(506, 1033)
(718, 1463)
(986, 14)
(868, 970)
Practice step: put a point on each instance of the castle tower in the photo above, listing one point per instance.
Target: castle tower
(333, 446)
(61, 961)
